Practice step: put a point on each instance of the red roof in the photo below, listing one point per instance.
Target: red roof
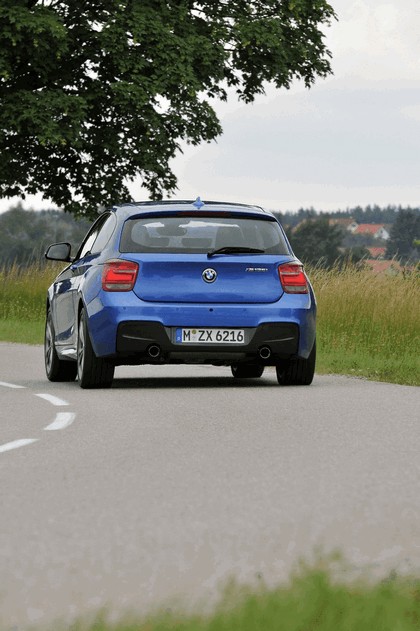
(376, 252)
(368, 228)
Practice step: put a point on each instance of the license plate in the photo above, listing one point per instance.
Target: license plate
(210, 336)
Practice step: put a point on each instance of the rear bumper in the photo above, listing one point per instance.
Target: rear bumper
(151, 342)
(122, 328)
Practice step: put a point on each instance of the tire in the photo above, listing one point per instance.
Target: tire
(297, 372)
(92, 371)
(56, 369)
(247, 371)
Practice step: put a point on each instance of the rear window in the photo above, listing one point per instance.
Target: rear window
(194, 235)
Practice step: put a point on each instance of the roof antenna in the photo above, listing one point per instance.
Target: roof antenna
(198, 203)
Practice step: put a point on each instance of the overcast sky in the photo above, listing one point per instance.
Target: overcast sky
(352, 139)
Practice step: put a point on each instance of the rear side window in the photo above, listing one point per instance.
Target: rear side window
(195, 235)
(91, 237)
(105, 234)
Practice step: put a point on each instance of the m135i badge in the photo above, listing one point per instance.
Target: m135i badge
(209, 275)
(256, 269)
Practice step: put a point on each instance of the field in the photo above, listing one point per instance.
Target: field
(368, 324)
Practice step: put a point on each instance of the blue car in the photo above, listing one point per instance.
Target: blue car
(180, 282)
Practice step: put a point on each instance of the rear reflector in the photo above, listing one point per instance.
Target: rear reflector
(293, 278)
(119, 275)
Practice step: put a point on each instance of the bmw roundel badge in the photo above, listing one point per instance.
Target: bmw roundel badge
(209, 275)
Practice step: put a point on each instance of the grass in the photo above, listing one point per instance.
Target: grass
(19, 331)
(368, 324)
(311, 601)
(22, 302)
(23, 292)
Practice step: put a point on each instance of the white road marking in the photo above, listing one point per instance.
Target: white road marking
(52, 399)
(17, 443)
(10, 385)
(62, 420)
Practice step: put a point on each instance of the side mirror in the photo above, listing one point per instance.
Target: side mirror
(59, 252)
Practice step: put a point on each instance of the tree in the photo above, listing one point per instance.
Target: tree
(404, 233)
(316, 242)
(354, 255)
(93, 94)
(25, 234)
(374, 214)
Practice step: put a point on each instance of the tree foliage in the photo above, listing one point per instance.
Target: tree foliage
(369, 214)
(93, 94)
(316, 242)
(25, 234)
(405, 233)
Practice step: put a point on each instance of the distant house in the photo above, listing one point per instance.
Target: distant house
(375, 230)
(352, 227)
(377, 253)
(345, 222)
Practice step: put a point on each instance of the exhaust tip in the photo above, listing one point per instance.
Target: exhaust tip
(264, 352)
(153, 351)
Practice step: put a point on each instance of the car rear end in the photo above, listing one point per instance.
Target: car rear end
(217, 284)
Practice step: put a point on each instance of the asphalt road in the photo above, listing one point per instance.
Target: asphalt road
(160, 489)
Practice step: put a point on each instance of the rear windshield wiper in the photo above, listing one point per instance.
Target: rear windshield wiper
(233, 249)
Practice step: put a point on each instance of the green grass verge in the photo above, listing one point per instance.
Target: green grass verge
(368, 324)
(403, 368)
(21, 331)
(311, 602)
(22, 302)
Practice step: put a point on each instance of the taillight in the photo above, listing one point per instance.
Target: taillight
(119, 275)
(293, 279)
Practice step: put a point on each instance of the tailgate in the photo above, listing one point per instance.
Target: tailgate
(198, 279)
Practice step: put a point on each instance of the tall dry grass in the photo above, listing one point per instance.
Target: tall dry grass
(369, 323)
